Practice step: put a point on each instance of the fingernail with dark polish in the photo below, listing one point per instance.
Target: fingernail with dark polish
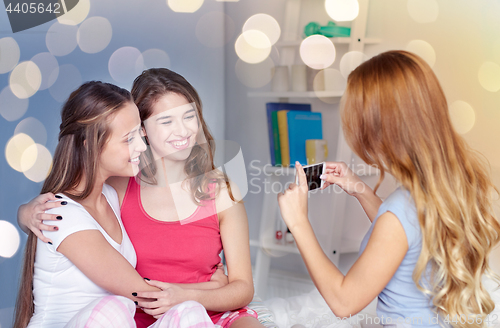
(136, 303)
(56, 228)
(59, 217)
(50, 243)
(134, 294)
(57, 196)
(64, 202)
(147, 279)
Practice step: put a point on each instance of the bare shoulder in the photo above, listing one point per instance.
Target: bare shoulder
(120, 185)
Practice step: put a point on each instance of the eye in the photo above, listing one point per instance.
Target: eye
(129, 140)
(166, 122)
(189, 117)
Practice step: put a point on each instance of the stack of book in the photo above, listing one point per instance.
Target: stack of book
(290, 125)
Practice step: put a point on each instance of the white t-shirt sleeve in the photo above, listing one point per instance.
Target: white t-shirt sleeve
(74, 218)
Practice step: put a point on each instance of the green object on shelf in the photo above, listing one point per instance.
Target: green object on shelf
(331, 30)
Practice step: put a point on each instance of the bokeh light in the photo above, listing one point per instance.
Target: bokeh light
(462, 116)
(34, 128)
(185, 6)
(11, 107)
(9, 239)
(68, 81)
(264, 23)
(328, 79)
(15, 148)
(154, 58)
(342, 10)
(423, 11)
(76, 15)
(317, 51)
(25, 79)
(254, 75)
(350, 61)
(9, 54)
(94, 35)
(424, 50)
(489, 76)
(253, 46)
(61, 39)
(49, 68)
(42, 162)
(125, 64)
(205, 32)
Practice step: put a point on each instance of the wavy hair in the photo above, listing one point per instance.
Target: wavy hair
(200, 169)
(395, 116)
(83, 134)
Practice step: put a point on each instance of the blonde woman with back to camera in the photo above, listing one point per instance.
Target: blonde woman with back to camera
(429, 244)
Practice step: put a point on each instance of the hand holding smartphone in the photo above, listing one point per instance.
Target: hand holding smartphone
(313, 173)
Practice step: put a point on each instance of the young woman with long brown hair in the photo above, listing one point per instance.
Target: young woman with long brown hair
(429, 243)
(70, 281)
(180, 212)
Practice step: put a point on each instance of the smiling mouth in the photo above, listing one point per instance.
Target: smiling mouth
(180, 144)
(134, 160)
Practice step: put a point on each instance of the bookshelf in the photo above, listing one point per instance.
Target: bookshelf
(333, 210)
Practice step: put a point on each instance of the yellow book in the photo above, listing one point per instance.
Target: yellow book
(283, 131)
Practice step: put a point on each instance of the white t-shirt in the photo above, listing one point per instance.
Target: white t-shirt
(60, 289)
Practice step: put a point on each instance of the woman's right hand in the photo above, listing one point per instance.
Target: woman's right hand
(340, 174)
(31, 215)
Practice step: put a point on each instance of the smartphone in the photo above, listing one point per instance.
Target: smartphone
(313, 172)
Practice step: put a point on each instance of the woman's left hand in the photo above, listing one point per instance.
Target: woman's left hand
(293, 201)
(169, 296)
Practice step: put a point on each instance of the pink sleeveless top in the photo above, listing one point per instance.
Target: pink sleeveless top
(185, 251)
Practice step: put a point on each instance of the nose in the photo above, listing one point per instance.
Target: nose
(180, 129)
(140, 146)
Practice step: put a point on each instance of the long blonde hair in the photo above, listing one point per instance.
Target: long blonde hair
(395, 116)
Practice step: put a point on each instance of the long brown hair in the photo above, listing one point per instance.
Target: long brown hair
(83, 134)
(395, 116)
(147, 89)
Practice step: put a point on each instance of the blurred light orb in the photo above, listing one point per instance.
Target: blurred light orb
(205, 29)
(9, 239)
(94, 34)
(253, 46)
(11, 107)
(49, 68)
(462, 116)
(264, 23)
(14, 151)
(342, 10)
(34, 128)
(423, 11)
(328, 79)
(25, 79)
(185, 6)
(61, 39)
(154, 58)
(422, 49)
(350, 61)
(255, 75)
(76, 15)
(125, 64)
(42, 162)
(9, 54)
(489, 76)
(317, 52)
(68, 81)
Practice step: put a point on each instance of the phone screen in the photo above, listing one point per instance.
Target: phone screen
(313, 173)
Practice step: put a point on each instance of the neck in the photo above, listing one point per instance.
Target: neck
(95, 195)
(169, 171)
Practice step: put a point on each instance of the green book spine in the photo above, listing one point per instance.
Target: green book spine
(276, 138)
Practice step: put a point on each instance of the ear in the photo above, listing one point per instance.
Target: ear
(85, 143)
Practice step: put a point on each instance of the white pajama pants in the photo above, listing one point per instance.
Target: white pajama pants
(118, 312)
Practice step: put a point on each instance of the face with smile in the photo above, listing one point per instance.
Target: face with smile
(173, 127)
(120, 156)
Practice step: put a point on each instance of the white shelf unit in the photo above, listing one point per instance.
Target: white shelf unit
(335, 245)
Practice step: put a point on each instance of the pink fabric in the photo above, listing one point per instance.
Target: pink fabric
(227, 319)
(184, 251)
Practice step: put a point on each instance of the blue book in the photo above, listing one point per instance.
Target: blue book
(302, 126)
(273, 107)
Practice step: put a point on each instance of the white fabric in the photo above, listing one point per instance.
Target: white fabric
(60, 289)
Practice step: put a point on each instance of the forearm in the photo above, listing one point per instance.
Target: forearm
(20, 212)
(369, 201)
(235, 295)
(200, 285)
(325, 275)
